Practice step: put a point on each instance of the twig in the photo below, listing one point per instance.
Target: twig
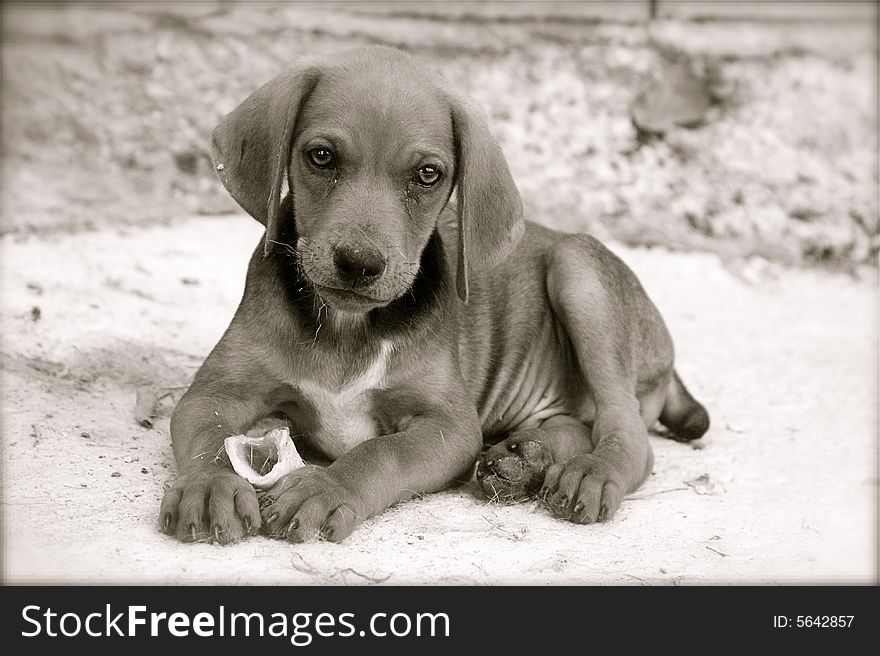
(371, 579)
(513, 534)
(307, 568)
(654, 494)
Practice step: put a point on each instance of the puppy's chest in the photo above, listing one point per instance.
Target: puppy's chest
(344, 412)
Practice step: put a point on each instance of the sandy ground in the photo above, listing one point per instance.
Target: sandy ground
(783, 488)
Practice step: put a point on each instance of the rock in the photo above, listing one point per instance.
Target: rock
(675, 97)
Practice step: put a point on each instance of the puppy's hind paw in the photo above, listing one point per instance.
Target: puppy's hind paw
(513, 470)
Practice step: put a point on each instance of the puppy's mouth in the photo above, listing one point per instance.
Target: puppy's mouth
(356, 296)
(349, 300)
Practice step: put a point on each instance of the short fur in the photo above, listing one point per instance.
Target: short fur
(400, 320)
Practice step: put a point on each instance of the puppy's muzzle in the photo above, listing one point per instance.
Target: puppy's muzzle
(358, 266)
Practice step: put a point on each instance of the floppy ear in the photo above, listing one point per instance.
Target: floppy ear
(251, 145)
(490, 213)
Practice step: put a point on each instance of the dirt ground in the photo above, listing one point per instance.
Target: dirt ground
(782, 489)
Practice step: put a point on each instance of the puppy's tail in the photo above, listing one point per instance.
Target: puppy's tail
(682, 413)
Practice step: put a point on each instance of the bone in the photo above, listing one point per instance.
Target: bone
(247, 452)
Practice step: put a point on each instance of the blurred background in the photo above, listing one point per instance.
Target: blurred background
(744, 128)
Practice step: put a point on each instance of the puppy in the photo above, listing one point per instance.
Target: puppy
(401, 313)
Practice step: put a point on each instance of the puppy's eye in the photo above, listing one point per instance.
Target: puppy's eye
(428, 175)
(320, 158)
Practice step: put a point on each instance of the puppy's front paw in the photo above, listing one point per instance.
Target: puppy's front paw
(513, 469)
(311, 503)
(583, 490)
(216, 505)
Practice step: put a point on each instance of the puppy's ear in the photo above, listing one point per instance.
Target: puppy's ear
(490, 213)
(251, 145)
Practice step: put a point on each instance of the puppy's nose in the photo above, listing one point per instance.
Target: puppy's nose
(359, 265)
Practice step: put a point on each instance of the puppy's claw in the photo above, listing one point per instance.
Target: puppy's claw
(166, 523)
(217, 534)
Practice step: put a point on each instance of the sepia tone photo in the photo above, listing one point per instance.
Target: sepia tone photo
(440, 293)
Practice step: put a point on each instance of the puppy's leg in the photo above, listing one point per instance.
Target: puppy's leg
(514, 469)
(621, 345)
(329, 502)
(210, 501)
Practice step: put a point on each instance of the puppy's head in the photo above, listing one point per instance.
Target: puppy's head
(372, 145)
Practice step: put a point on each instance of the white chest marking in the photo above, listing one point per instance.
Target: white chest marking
(344, 413)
